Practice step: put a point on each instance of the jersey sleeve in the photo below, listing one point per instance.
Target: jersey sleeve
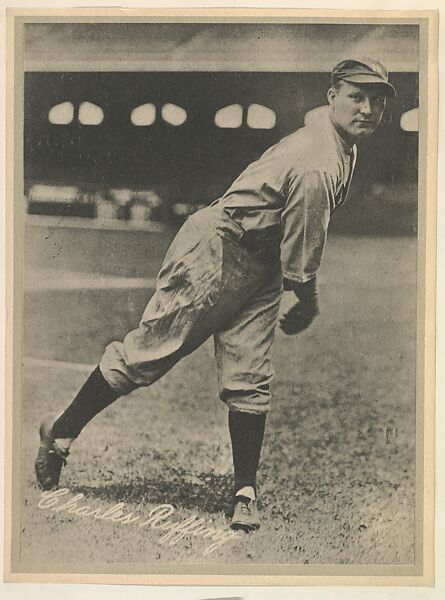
(305, 219)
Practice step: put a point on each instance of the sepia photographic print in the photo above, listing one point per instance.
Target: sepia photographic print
(221, 344)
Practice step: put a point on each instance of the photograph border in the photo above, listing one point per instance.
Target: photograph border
(422, 573)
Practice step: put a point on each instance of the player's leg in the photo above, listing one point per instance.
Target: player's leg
(177, 319)
(204, 279)
(245, 372)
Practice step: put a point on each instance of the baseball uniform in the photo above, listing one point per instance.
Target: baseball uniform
(223, 273)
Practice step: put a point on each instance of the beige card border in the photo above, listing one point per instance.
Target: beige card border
(420, 574)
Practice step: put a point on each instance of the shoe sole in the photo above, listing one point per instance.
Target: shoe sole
(243, 526)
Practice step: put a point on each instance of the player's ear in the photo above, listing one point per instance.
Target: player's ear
(331, 93)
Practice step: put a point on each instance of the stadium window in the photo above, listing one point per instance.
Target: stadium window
(90, 114)
(409, 121)
(61, 114)
(143, 115)
(229, 117)
(174, 115)
(260, 117)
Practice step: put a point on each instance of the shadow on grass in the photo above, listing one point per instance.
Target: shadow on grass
(208, 493)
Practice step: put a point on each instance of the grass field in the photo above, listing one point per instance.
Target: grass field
(337, 474)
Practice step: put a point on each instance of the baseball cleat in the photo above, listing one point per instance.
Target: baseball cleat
(245, 514)
(50, 458)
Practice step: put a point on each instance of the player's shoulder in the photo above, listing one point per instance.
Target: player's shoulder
(292, 147)
(312, 146)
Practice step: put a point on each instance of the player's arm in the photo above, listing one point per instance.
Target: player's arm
(305, 222)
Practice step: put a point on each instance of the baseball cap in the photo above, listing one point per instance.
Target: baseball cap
(362, 70)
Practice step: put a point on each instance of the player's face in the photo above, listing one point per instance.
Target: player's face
(356, 110)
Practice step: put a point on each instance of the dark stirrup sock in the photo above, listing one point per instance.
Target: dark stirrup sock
(94, 396)
(246, 432)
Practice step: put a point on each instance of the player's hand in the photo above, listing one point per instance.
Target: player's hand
(297, 319)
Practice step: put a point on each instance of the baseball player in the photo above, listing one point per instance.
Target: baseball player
(224, 274)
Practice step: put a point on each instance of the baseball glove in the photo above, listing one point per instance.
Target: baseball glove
(296, 319)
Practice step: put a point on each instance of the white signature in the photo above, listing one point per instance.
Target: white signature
(158, 518)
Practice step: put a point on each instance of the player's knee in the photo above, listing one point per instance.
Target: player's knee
(255, 401)
(122, 374)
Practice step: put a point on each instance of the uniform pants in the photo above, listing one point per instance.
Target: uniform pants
(209, 284)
